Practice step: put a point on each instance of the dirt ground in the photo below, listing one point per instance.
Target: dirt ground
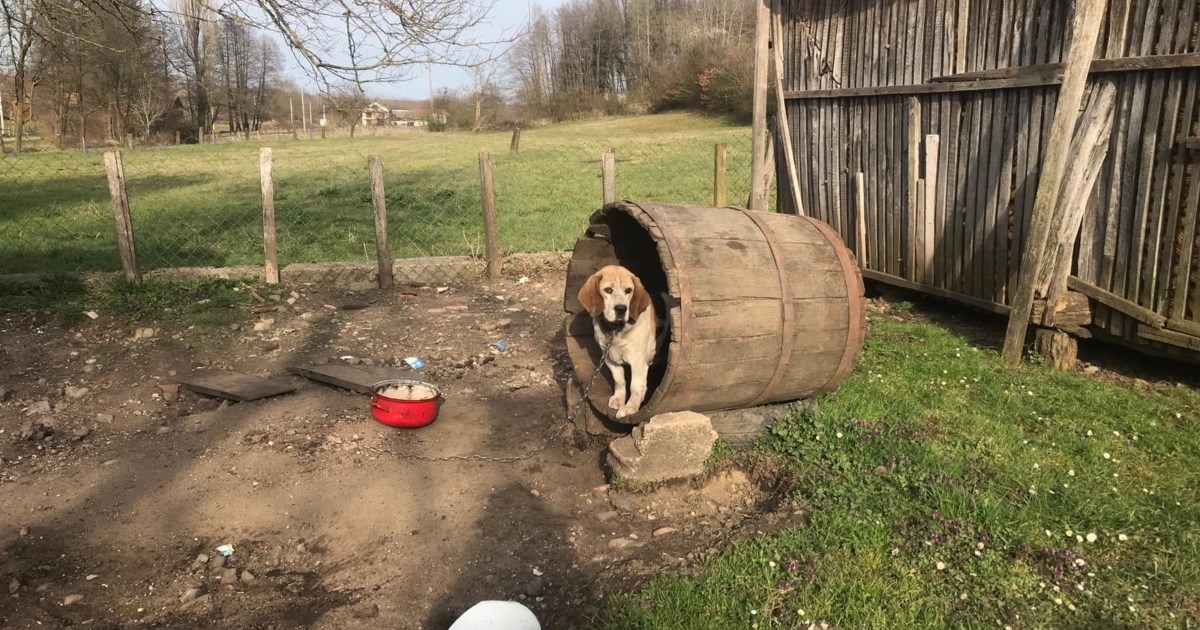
(116, 498)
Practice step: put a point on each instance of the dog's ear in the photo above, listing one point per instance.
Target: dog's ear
(589, 295)
(641, 299)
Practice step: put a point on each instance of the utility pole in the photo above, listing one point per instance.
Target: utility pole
(291, 113)
(303, 118)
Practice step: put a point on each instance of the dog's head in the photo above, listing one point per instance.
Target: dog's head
(615, 293)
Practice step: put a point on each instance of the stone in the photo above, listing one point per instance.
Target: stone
(624, 543)
(24, 531)
(1091, 370)
(669, 446)
(170, 391)
(5, 393)
(247, 576)
(106, 418)
(144, 333)
(71, 600)
(189, 595)
(75, 392)
(663, 531)
(264, 324)
(535, 587)
(622, 503)
(39, 407)
(199, 601)
(14, 586)
(229, 576)
(81, 433)
(200, 562)
(364, 610)
(216, 563)
(607, 516)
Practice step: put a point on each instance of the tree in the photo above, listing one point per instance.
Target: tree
(196, 39)
(19, 16)
(349, 101)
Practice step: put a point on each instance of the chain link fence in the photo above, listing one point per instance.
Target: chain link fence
(200, 205)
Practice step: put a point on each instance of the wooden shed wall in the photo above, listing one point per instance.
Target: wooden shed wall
(945, 106)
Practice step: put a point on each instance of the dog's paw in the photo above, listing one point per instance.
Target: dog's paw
(627, 410)
(616, 402)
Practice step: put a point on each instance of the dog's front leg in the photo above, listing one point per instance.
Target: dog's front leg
(618, 373)
(637, 390)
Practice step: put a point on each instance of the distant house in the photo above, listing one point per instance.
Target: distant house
(379, 115)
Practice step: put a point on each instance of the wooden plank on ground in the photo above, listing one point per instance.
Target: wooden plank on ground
(356, 378)
(1117, 303)
(905, 283)
(237, 386)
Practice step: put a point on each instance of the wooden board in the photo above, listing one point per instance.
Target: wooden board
(356, 378)
(237, 386)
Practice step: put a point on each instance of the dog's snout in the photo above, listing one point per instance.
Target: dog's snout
(620, 309)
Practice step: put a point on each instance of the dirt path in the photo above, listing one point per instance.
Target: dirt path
(122, 494)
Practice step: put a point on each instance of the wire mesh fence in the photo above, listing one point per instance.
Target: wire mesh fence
(201, 205)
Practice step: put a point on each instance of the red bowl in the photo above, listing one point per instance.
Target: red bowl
(405, 414)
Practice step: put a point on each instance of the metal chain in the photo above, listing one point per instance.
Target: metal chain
(583, 400)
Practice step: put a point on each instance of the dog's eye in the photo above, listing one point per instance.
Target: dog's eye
(608, 289)
(628, 291)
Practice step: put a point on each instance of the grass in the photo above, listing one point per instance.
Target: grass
(199, 205)
(207, 302)
(947, 489)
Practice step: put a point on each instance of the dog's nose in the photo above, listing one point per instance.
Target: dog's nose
(620, 309)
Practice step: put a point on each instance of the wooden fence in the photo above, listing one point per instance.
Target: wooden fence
(922, 128)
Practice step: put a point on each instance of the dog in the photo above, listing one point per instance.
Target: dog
(624, 322)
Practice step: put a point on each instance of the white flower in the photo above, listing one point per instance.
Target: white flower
(1035, 466)
(1108, 456)
(1091, 537)
(1070, 533)
(839, 434)
(1071, 473)
(1122, 537)
(1058, 600)
(1048, 534)
(771, 564)
(941, 566)
(1078, 538)
(1089, 433)
(800, 611)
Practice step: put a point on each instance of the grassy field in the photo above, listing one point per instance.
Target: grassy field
(199, 205)
(948, 490)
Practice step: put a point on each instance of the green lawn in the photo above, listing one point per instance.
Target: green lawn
(948, 490)
(199, 205)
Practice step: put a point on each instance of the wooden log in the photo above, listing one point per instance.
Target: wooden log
(720, 174)
(266, 180)
(114, 166)
(383, 250)
(1072, 309)
(759, 133)
(785, 129)
(1085, 31)
(609, 176)
(491, 231)
(1060, 350)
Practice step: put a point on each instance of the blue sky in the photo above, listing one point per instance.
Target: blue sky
(507, 16)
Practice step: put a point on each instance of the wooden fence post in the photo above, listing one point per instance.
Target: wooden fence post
(860, 218)
(383, 251)
(610, 176)
(759, 139)
(514, 145)
(270, 255)
(1085, 29)
(932, 152)
(781, 115)
(491, 232)
(720, 175)
(114, 166)
(912, 200)
(177, 134)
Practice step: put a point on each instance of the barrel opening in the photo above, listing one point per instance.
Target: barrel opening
(618, 238)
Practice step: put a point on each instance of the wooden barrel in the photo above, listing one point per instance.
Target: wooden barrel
(753, 307)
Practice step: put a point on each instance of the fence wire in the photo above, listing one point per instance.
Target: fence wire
(200, 205)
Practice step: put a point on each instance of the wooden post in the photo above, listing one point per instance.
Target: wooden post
(267, 181)
(491, 232)
(910, 185)
(115, 167)
(1086, 29)
(785, 128)
(383, 251)
(177, 134)
(720, 173)
(514, 145)
(932, 151)
(610, 176)
(758, 149)
(860, 218)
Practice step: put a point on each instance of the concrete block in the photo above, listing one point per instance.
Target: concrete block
(668, 446)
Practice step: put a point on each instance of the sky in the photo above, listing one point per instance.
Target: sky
(507, 16)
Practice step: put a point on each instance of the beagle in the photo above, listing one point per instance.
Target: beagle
(623, 314)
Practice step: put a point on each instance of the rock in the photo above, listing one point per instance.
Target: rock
(622, 503)
(71, 600)
(1090, 370)
(229, 576)
(34, 430)
(669, 446)
(607, 516)
(81, 433)
(189, 595)
(42, 588)
(264, 324)
(535, 587)
(24, 531)
(216, 563)
(5, 393)
(199, 601)
(39, 407)
(270, 346)
(364, 610)
(170, 391)
(624, 543)
(144, 333)
(163, 430)
(200, 562)
(246, 576)
(663, 531)
(106, 418)
(75, 392)
(14, 586)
